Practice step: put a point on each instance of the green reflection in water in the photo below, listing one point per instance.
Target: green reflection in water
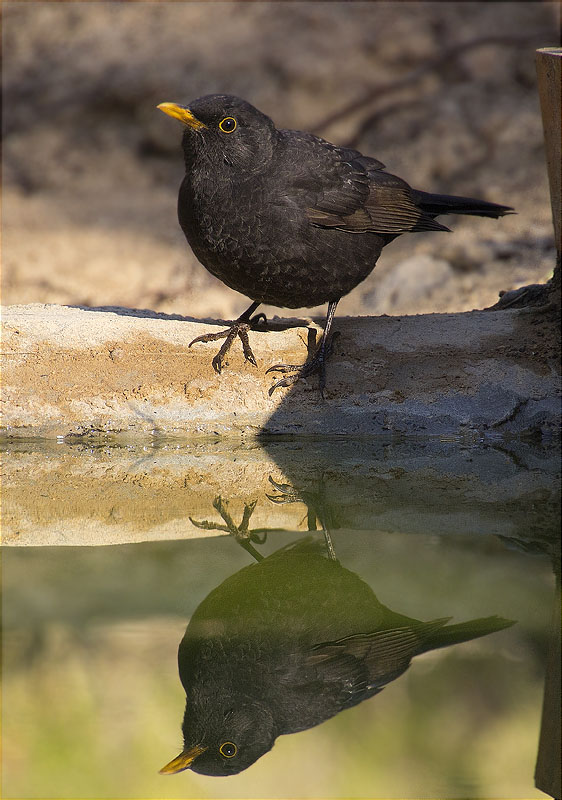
(286, 644)
(92, 700)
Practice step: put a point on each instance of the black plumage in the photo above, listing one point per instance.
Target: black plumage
(286, 218)
(284, 645)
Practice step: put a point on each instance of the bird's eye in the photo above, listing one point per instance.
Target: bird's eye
(227, 125)
(228, 749)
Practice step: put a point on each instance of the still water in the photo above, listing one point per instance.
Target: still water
(364, 618)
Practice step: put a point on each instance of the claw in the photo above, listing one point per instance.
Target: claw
(239, 329)
(281, 487)
(288, 381)
(246, 349)
(210, 337)
(242, 533)
(317, 364)
(285, 367)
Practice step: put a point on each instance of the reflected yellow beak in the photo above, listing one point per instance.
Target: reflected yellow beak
(183, 114)
(183, 761)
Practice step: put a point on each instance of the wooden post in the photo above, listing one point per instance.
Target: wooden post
(549, 74)
(547, 772)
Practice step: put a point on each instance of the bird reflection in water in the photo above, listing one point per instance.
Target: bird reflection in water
(287, 643)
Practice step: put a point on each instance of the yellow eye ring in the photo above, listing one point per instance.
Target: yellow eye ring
(228, 749)
(228, 125)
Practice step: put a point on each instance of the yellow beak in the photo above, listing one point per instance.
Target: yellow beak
(183, 761)
(183, 114)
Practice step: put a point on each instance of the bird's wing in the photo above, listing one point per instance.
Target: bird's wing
(308, 143)
(351, 192)
(329, 183)
(383, 655)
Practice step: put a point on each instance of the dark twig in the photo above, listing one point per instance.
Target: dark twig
(376, 116)
(449, 53)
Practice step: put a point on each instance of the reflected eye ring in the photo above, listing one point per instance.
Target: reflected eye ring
(228, 125)
(228, 749)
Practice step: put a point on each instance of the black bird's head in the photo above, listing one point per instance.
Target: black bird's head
(223, 129)
(224, 742)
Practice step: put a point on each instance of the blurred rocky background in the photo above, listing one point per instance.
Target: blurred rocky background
(443, 93)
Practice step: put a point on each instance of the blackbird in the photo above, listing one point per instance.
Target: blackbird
(285, 644)
(286, 218)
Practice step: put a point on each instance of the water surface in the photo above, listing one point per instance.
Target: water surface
(110, 552)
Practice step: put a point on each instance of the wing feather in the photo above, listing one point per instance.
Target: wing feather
(354, 194)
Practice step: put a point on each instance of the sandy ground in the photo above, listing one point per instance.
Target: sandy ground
(91, 169)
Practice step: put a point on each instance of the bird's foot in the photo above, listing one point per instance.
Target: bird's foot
(238, 531)
(242, 533)
(294, 372)
(314, 504)
(237, 329)
(287, 493)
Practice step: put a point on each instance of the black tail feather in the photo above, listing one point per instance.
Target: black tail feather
(435, 204)
(446, 635)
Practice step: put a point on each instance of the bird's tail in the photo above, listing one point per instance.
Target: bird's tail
(465, 631)
(435, 204)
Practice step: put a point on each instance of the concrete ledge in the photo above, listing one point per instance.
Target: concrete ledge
(73, 372)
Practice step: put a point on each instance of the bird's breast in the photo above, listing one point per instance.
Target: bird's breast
(257, 239)
(224, 216)
(241, 233)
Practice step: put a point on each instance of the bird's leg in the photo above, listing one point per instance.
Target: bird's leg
(314, 503)
(316, 364)
(240, 328)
